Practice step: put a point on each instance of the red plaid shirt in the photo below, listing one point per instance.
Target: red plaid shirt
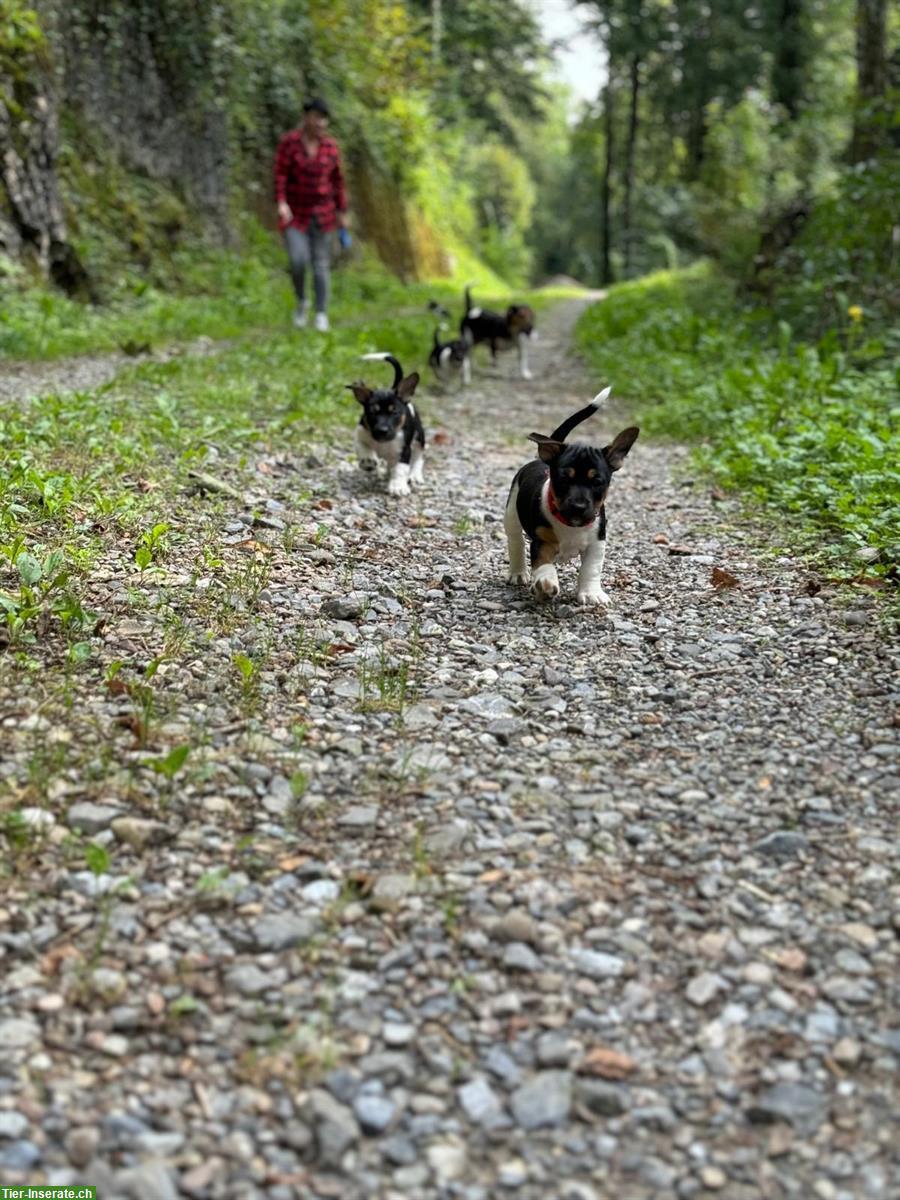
(311, 186)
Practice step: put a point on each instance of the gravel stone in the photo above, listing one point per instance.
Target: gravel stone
(480, 1103)
(91, 818)
(798, 1105)
(598, 965)
(782, 844)
(282, 931)
(543, 1100)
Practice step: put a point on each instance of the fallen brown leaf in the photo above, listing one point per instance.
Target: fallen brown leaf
(681, 549)
(607, 1063)
(441, 439)
(661, 539)
(724, 579)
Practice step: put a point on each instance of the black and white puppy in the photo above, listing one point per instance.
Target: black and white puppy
(390, 429)
(450, 358)
(556, 504)
(498, 330)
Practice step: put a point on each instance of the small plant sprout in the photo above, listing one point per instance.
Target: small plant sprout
(248, 672)
(170, 764)
(151, 545)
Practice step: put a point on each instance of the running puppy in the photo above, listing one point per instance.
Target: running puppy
(450, 358)
(499, 331)
(556, 503)
(390, 429)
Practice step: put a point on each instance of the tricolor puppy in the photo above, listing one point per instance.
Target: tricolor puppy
(390, 429)
(556, 505)
(448, 359)
(498, 330)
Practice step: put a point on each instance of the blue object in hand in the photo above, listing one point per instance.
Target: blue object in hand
(345, 239)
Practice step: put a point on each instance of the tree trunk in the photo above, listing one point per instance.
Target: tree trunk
(696, 139)
(627, 232)
(790, 58)
(606, 273)
(437, 30)
(871, 77)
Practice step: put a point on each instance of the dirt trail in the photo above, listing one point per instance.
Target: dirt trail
(471, 896)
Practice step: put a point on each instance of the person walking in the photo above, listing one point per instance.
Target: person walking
(312, 203)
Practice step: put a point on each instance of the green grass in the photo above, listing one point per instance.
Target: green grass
(809, 432)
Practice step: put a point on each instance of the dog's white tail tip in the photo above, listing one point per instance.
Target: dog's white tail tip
(601, 397)
(379, 356)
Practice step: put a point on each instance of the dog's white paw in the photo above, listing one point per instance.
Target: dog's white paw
(545, 583)
(526, 374)
(591, 596)
(517, 577)
(398, 487)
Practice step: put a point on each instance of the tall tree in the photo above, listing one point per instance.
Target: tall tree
(630, 149)
(871, 77)
(609, 126)
(489, 62)
(791, 53)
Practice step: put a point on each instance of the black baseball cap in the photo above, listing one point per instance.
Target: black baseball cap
(316, 104)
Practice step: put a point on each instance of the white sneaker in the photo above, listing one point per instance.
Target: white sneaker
(301, 315)
(321, 322)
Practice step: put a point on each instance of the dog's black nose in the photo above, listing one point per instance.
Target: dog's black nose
(579, 504)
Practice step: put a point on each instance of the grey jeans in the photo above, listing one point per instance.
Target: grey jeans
(313, 246)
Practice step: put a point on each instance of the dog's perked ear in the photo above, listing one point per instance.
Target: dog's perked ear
(360, 391)
(547, 448)
(615, 452)
(407, 386)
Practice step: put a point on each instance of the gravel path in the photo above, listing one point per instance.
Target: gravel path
(23, 379)
(463, 896)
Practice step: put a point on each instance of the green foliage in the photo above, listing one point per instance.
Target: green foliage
(504, 197)
(97, 858)
(486, 64)
(847, 256)
(800, 428)
(170, 764)
(21, 39)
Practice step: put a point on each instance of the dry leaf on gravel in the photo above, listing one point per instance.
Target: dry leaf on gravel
(681, 549)
(660, 539)
(607, 1063)
(724, 579)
